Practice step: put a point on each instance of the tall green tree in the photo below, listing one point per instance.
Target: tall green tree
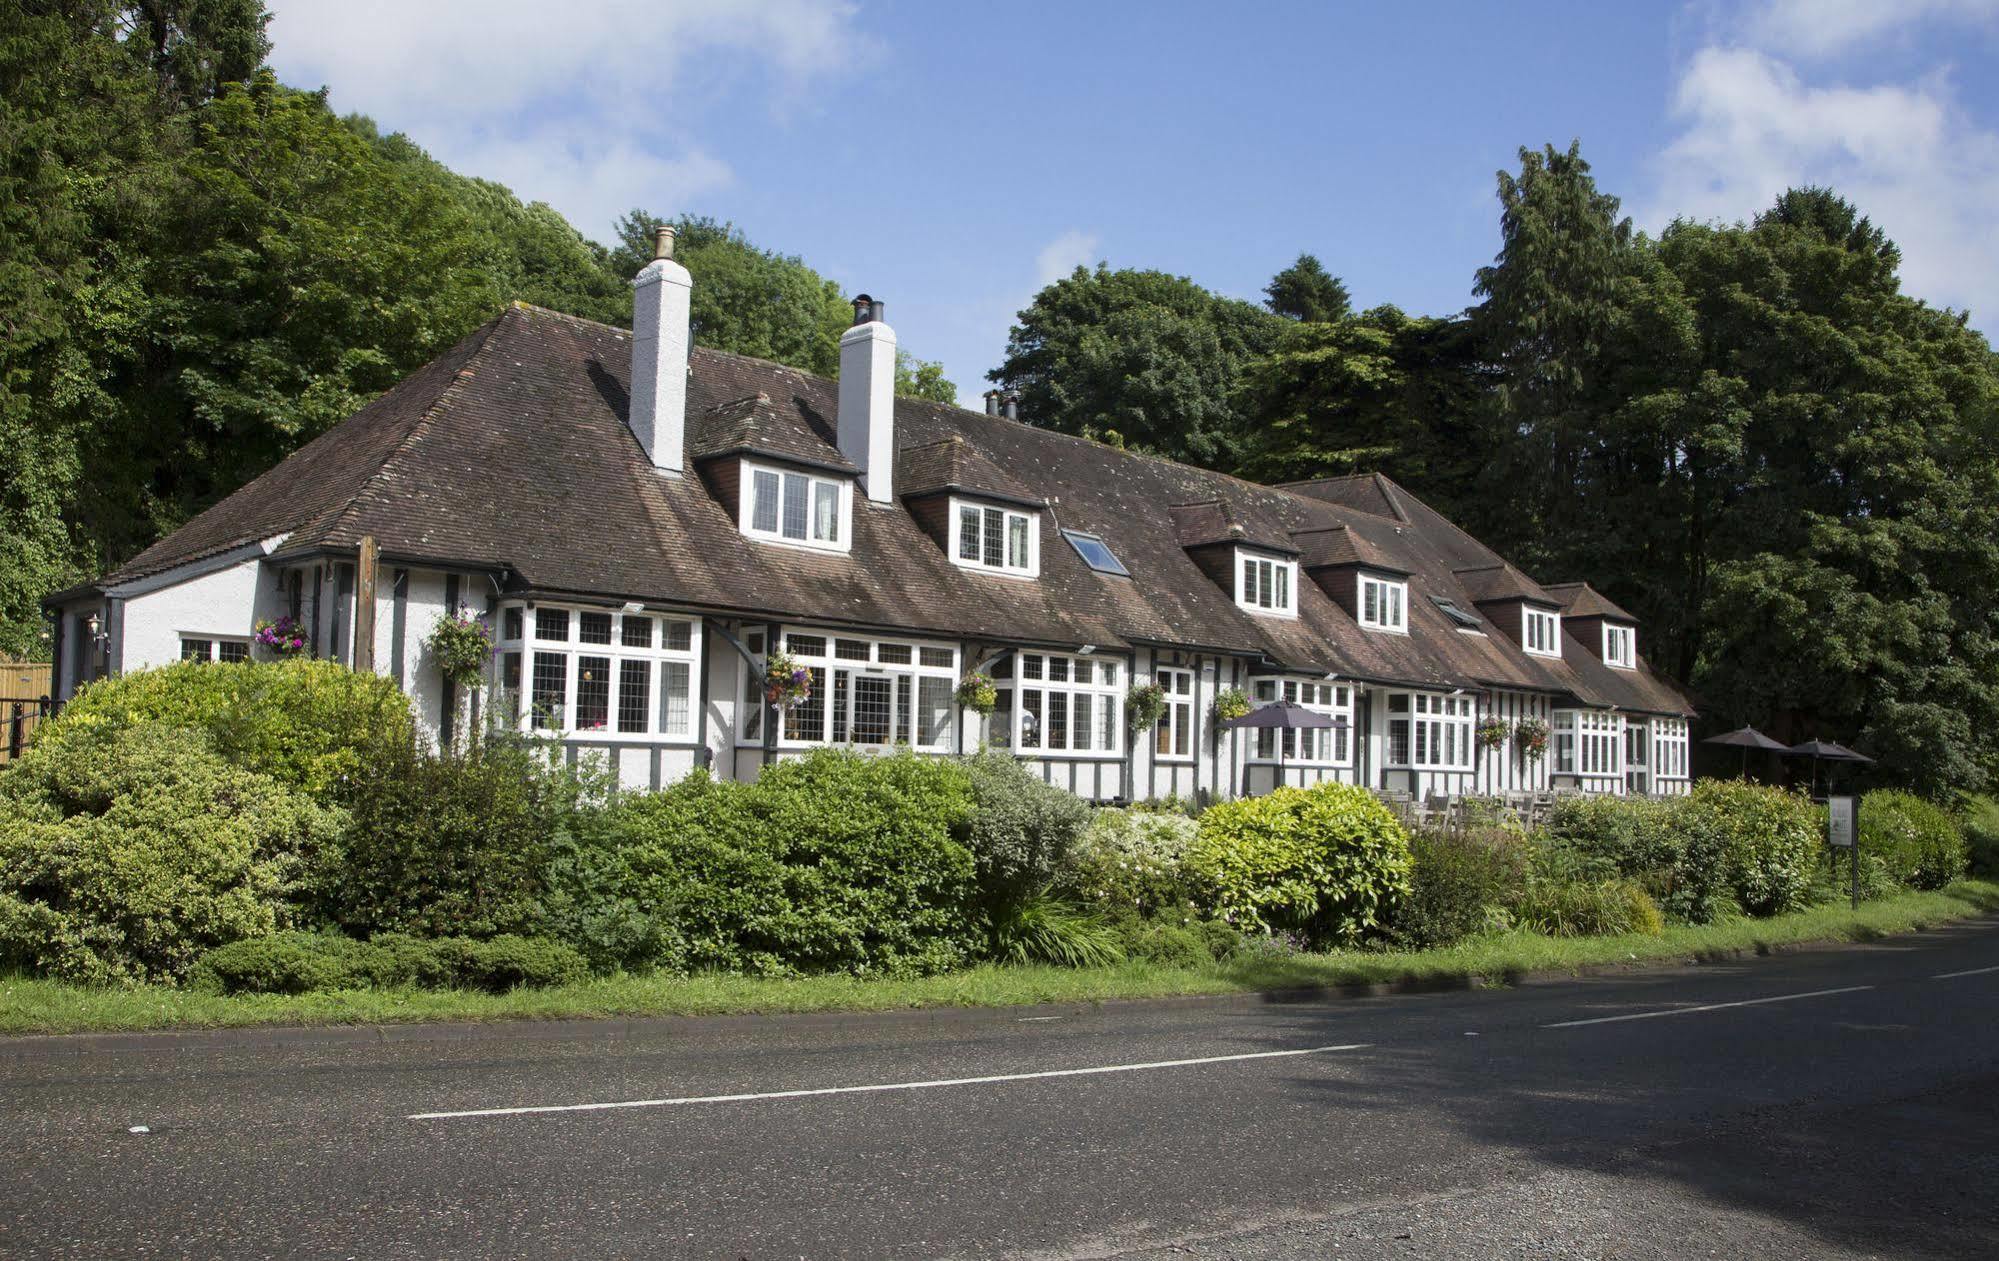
(1307, 292)
(1141, 357)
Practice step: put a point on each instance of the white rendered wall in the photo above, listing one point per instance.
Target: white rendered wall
(224, 603)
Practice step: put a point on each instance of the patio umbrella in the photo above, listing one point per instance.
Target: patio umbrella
(1746, 739)
(1826, 750)
(1283, 715)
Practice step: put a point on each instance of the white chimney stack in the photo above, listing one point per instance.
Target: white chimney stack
(662, 295)
(866, 421)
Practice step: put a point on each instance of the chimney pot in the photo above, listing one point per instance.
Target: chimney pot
(992, 402)
(662, 241)
(866, 309)
(1012, 410)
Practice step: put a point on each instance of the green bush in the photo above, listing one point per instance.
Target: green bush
(1921, 845)
(835, 862)
(455, 842)
(1131, 862)
(1462, 883)
(1329, 862)
(1021, 828)
(305, 723)
(1981, 835)
(1632, 837)
(1042, 928)
(310, 963)
(1588, 908)
(1173, 945)
(127, 850)
(1757, 847)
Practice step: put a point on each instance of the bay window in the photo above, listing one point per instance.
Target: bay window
(1669, 742)
(1323, 746)
(1266, 584)
(1620, 646)
(792, 506)
(1428, 731)
(1589, 742)
(1004, 540)
(566, 670)
(1174, 737)
(864, 691)
(1541, 633)
(1059, 705)
(1384, 604)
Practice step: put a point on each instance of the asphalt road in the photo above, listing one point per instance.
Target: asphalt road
(1847, 1105)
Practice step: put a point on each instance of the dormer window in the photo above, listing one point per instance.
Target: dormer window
(1266, 584)
(802, 509)
(1003, 540)
(1620, 646)
(1541, 632)
(1384, 604)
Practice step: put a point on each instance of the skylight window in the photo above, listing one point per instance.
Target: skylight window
(1096, 553)
(1465, 621)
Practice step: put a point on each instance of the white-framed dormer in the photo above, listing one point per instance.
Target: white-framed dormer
(1540, 631)
(995, 538)
(1266, 584)
(1383, 603)
(797, 507)
(1620, 646)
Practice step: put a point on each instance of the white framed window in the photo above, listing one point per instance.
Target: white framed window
(1003, 540)
(802, 509)
(1173, 739)
(1430, 731)
(1055, 704)
(1669, 748)
(1308, 746)
(874, 693)
(1620, 646)
(1541, 632)
(1637, 757)
(214, 648)
(1266, 584)
(1384, 604)
(1590, 743)
(602, 673)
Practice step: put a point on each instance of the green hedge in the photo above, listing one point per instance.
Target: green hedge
(1462, 883)
(1132, 863)
(1329, 862)
(126, 851)
(305, 723)
(1981, 835)
(1920, 844)
(308, 963)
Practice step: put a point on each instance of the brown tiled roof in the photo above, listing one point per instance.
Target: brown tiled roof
(1486, 583)
(1337, 545)
(954, 464)
(1579, 599)
(512, 453)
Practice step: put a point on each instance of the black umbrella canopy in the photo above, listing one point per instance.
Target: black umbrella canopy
(1748, 738)
(1287, 715)
(1829, 751)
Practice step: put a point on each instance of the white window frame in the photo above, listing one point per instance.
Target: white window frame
(1589, 743)
(1620, 646)
(1391, 610)
(1258, 574)
(213, 652)
(1669, 749)
(1306, 746)
(1549, 642)
(1030, 523)
(1177, 735)
(514, 666)
(1027, 685)
(835, 701)
(843, 487)
(1439, 731)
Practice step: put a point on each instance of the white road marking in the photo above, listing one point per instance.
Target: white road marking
(886, 1086)
(1683, 1011)
(1945, 976)
(1029, 1020)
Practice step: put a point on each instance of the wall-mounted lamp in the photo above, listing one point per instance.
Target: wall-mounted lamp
(1086, 650)
(633, 606)
(94, 627)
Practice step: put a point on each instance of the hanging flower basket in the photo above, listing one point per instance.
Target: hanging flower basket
(1492, 732)
(977, 693)
(1231, 703)
(1144, 705)
(462, 645)
(786, 683)
(282, 638)
(1530, 736)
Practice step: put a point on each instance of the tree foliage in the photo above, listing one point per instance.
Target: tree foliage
(1307, 292)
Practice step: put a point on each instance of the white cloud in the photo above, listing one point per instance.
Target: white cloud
(1826, 28)
(585, 105)
(1904, 153)
(1064, 254)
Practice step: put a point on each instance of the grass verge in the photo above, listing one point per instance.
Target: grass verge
(29, 1005)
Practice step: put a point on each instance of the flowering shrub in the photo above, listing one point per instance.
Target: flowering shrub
(1491, 732)
(1231, 703)
(462, 644)
(1144, 706)
(977, 693)
(1530, 736)
(283, 637)
(1922, 846)
(786, 683)
(1129, 862)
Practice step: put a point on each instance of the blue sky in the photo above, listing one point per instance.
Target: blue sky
(952, 159)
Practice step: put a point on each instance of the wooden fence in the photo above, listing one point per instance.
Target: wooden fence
(24, 690)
